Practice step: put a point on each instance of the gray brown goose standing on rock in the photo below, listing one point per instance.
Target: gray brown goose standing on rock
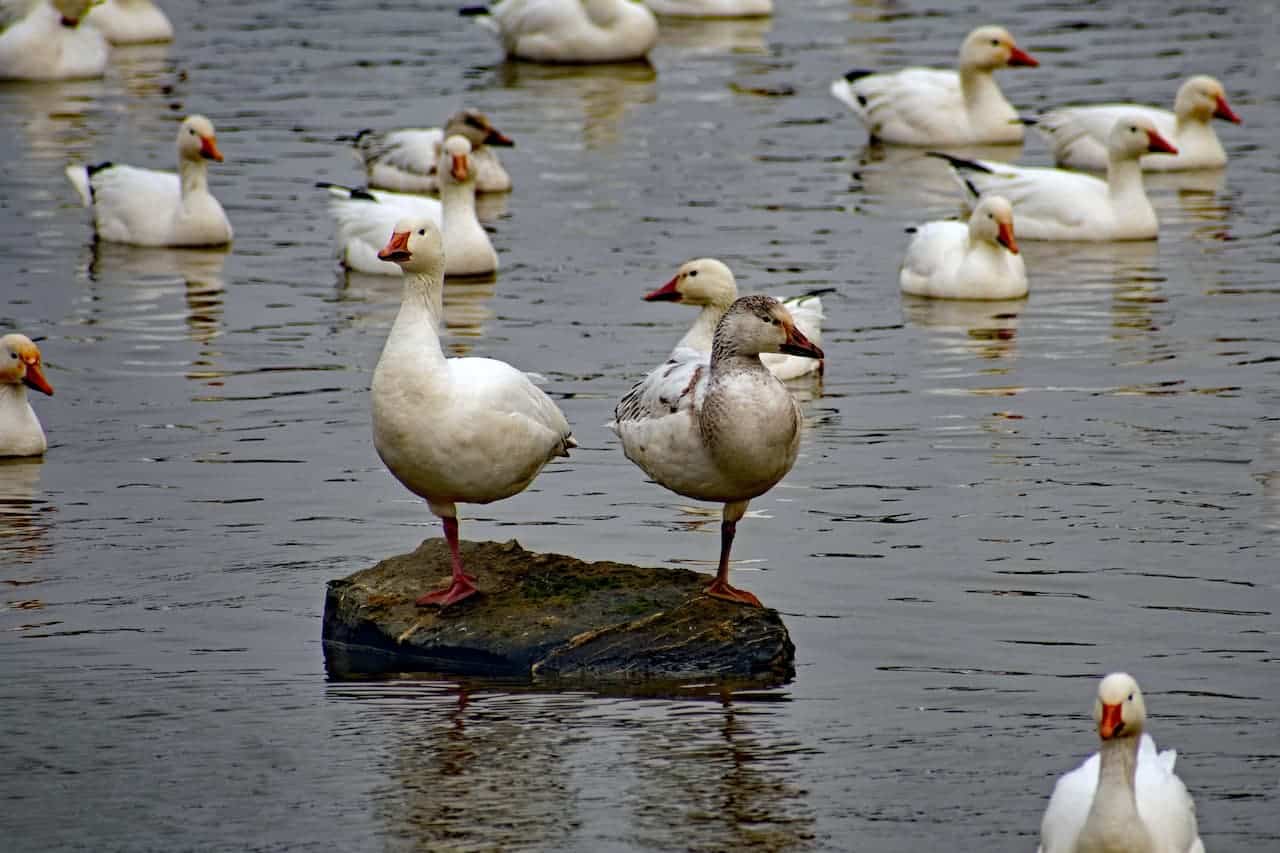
(731, 431)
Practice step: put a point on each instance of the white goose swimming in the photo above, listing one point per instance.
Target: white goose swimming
(929, 106)
(1078, 135)
(407, 160)
(146, 207)
(456, 430)
(974, 260)
(1054, 204)
(366, 216)
(1125, 797)
(709, 284)
(711, 8)
(131, 21)
(20, 430)
(733, 432)
(570, 31)
(46, 40)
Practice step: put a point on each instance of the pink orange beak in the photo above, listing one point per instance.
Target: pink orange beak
(797, 344)
(1020, 58)
(666, 293)
(459, 167)
(1224, 111)
(35, 378)
(1158, 144)
(397, 248)
(209, 149)
(1112, 721)
(1004, 237)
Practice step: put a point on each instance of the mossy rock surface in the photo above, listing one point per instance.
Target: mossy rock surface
(548, 618)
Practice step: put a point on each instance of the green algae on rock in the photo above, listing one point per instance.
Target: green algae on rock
(548, 618)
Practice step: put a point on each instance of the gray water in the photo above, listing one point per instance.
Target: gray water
(994, 505)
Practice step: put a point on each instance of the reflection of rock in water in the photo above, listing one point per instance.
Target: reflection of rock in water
(691, 36)
(23, 526)
(200, 270)
(594, 97)
(710, 781)
(971, 327)
(488, 774)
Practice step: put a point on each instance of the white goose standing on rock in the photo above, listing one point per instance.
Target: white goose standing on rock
(1054, 204)
(570, 31)
(365, 217)
(709, 284)
(733, 432)
(453, 430)
(20, 430)
(145, 207)
(1125, 797)
(407, 160)
(931, 106)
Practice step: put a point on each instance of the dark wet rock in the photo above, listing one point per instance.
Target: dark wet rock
(548, 618)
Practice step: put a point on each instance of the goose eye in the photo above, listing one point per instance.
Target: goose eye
(422, 232)
(1130, 697)
(13, 355)
(692, 273)
(995, 42)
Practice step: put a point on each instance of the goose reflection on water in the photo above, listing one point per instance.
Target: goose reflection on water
(477, 766)
(588, 100)
(25, 515)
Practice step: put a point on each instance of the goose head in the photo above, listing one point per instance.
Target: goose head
(197, 141)
(758, 324)
(704, 281)
(1202, 97)
(455, 161)
(1135, 135)
(475, 126)
(1119, 710)
(20, 363)
(416, 245)
(989, 48)
(992, 220)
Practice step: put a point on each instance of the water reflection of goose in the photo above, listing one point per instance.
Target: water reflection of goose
(146, 276)
(987, 329)
(716, 36)
(895, 176)
(23, 528)
(467, 306)
(592, 98)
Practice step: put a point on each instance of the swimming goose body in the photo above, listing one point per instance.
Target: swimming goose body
(20, 430)
(929, 106)
(1078, 135)
(407, 160)
(131, 21)
(1054, 204)
(50, 42)
(1125, 797)
(571, 31)
(453, 430)
(977, 259)
(365, 217)
(733, 433)
(145, 207)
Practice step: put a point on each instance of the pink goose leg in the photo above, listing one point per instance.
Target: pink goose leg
(464, 585)
(720, 587)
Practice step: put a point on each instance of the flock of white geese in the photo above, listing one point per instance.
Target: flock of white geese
(714, 421)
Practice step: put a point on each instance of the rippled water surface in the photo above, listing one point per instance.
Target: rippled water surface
(994, 503)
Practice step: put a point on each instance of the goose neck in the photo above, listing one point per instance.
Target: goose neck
(194, 175)
(1124, 179)
(979, 88)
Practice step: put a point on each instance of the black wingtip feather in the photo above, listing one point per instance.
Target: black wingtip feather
(98, 167)
(473, 11)
(857, 74)
(1029, 122)
(360, 193)
(960, 162)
